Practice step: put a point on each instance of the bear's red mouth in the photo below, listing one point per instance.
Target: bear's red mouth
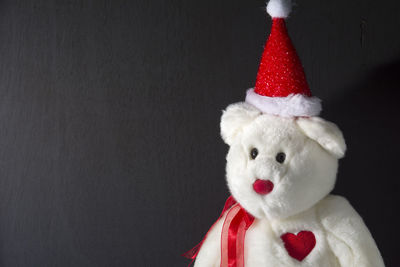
(263, 187)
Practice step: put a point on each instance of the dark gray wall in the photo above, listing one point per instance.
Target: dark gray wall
(110, 152)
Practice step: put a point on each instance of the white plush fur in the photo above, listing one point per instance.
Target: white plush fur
(235, 118)
(279, 8)
(300, 199)
(294, 105)
(326, 133)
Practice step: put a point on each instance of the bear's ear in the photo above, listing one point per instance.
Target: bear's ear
(234, 118)
(326, 133)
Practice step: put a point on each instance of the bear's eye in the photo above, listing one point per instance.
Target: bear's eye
(280, 157)
(253, 153)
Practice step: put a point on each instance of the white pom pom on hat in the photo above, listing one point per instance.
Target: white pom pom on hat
(279, 8)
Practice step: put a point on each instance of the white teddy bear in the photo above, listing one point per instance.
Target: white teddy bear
(281, 168)
(296, 159)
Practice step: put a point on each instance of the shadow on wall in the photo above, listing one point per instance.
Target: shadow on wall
(369, 114)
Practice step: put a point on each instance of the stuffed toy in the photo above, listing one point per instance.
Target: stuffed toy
(281, 167)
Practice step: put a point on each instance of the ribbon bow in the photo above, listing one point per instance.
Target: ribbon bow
(236, 223)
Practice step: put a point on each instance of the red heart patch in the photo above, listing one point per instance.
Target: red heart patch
(300, 245)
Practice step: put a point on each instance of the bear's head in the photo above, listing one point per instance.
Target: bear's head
(276, 166)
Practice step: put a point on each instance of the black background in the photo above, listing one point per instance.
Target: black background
(110, 152)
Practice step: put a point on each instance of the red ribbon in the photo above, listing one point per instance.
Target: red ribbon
(236, 223)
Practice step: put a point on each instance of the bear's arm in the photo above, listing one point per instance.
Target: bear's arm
(347, 235)
(210, 251)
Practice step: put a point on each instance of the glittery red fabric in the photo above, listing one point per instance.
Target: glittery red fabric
(280, 73)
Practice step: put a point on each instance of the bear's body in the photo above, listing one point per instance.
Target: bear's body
(298, 198)
(341, 239)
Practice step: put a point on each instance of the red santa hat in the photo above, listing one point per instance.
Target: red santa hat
(281, 86)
